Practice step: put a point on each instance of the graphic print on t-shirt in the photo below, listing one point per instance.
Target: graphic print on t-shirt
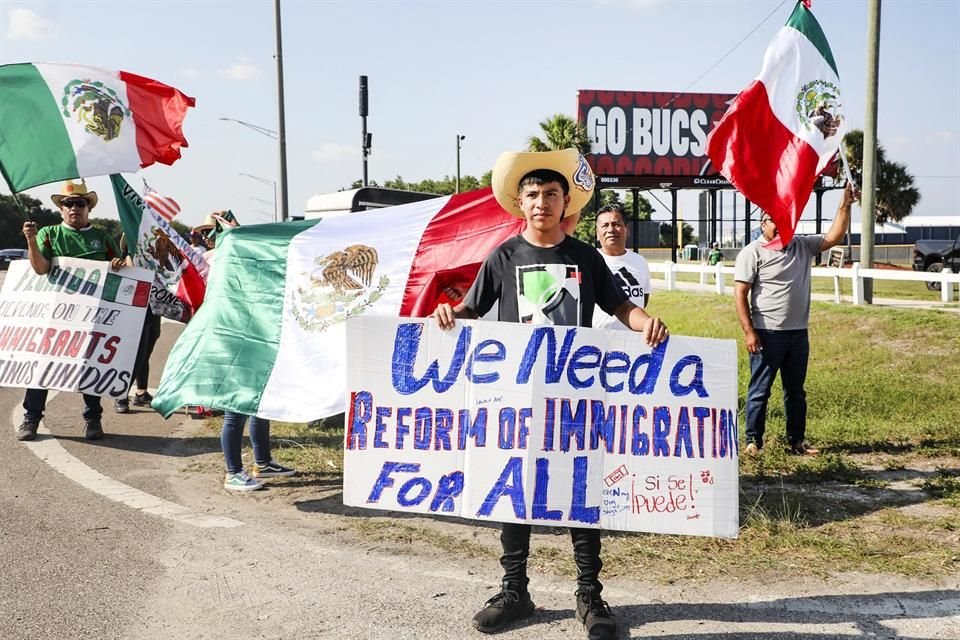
(629, 284)
(549, 294)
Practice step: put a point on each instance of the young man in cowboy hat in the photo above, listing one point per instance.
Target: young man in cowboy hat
(73, 238)
(544, 276)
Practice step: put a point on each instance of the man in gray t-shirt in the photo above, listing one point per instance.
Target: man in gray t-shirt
(772, 293)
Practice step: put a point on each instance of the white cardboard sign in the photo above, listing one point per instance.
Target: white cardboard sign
(548, 425)
(76, 328)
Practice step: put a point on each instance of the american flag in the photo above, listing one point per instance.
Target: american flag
(166, 208)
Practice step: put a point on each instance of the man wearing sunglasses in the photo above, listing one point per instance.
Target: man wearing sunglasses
(73, 238)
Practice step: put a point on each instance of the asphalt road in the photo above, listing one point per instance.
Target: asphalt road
(134, 538)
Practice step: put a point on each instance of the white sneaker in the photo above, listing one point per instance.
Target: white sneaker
(240, 482)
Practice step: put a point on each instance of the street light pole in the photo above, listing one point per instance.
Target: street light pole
(281, 125)
(269, 182)
(270, 133)
(366, 138)
(460, 139)
(870, 169)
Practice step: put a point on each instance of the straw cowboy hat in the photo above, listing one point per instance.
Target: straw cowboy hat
(511, 167)
(208, 223)
(72, 189)
(212, 219)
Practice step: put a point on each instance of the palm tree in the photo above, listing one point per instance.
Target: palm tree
(896, 193)
(560, 132)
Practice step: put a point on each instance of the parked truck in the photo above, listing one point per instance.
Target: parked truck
(936, 255)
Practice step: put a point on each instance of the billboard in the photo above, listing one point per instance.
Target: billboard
(651, 139)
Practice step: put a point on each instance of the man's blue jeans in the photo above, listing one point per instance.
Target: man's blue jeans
(35, 401)
(788, 353)
(231, 440)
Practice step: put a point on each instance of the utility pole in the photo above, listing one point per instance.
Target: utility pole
(460, 139)
(281, 125)
(868, 188)
(366, 139)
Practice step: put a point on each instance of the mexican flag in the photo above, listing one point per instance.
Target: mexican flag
(128, 291)
(178, 286)
(782, 130)
(60, 121)
(270, 338)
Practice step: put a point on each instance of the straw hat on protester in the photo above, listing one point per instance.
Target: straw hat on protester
(72, 189)
(512, 166)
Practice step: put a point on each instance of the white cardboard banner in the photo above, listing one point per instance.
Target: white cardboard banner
(76, 328)
(546, 425)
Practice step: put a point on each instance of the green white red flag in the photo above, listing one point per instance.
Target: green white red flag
(781, 132)
(179, 283)
(60, 121)
(270, 338)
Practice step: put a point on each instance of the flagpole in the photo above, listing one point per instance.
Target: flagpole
(281, 124)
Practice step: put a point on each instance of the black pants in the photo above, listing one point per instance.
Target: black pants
(515, 540)
(35, 402)
(148, 339)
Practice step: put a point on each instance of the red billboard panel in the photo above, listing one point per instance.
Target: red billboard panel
(641, 137)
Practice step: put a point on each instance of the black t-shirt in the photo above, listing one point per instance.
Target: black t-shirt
(545, 285)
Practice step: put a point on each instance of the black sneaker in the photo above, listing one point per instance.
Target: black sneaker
(802, 449)
(595, 615)
(93, 430)
(122, 406)
(502, 609)
(142, 399)
(28, 430)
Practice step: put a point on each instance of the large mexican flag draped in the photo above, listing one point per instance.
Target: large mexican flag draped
(179, 270)
(270, 340)
(60, 121)
(782, 130)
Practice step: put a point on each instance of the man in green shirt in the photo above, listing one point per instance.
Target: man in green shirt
(715, 254)
(73, 238)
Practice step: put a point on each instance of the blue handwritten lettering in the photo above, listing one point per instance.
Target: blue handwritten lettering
(651, 363)
(406, 345)
(683, 434)
(602, 425)
(498, 354)
(382, 413)
(677, 388)
(539, 509)
(579, 510)
(449, 487)
(609, 367)
(661, 429)
(477, 429)
(640, 443)
(443, 423)
(361, 408)
(586, 357)
(513, 474)
(572, 425)
(555, 363)
(384, 480)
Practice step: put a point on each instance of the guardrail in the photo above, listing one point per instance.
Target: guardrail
(948, 281)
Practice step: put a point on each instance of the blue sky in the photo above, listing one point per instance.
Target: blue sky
(485, 69)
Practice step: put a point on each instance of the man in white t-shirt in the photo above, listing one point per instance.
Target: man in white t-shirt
(629, 269)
